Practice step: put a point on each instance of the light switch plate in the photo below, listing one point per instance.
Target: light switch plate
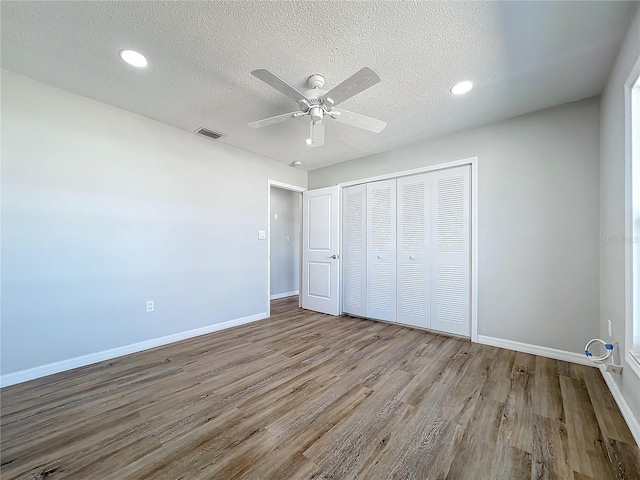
(262, 235)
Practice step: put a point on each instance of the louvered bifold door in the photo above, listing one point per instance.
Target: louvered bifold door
(354, 250)
(413, 250)
(381, 250)
(450, 250)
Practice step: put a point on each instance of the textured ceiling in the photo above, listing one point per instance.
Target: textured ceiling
(521, 56)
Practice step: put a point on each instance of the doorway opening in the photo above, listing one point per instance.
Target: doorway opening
(284, 242)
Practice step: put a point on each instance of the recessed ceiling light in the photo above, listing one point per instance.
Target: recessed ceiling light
(133, 58)
(308, 141)
(462, 87)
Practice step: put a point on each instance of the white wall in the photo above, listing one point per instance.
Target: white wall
(612, 210)
(538, 222)
(285, 240)
(103, 209)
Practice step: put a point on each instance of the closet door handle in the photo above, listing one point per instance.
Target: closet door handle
(380, 256)
(411, 257)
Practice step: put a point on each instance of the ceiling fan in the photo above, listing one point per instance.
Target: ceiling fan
(319, 104)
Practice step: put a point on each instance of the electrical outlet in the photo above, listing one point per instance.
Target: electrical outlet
(609, 326)
(275, 216)
(262, 235)
(149, 306)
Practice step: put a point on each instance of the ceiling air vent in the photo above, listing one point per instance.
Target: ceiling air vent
(209, 133)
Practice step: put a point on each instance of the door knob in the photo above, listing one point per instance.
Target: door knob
(333, 256)
(411, 257)
(379, 256)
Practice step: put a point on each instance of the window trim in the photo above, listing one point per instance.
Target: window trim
(632, 332)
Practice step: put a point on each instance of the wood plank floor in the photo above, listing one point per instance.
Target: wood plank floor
(305, 395)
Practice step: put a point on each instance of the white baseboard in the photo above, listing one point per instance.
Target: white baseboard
(285, 294)
(536, 350)
(629, 417)
(57, 367)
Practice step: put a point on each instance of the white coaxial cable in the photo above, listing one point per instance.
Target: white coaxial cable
(602, 358)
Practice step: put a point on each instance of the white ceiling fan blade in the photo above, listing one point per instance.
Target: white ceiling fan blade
(316, 134)
(272, 120)
(360, 121)
(276, 82)
(353, 85)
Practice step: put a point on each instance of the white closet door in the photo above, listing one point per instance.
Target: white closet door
(354, 250)
(381, 250)
(413, 250)
(450, 250)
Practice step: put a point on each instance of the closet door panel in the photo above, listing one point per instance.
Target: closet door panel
(354, 250)
(413, 250)
(451, 250)
(381, 250)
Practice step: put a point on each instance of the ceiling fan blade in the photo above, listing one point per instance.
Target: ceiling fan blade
(353, 85)
(276, 82)
(316, 134)
(271, 120)
(360, 121)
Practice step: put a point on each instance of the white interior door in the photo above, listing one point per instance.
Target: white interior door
(320, 251)
(381, 250)
(451, 250)
(413, 250)
(354, 250)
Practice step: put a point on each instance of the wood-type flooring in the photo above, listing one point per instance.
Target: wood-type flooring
(304, 395)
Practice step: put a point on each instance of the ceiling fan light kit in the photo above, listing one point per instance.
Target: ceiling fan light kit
(317, 103)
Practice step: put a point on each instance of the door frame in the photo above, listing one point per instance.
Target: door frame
(473, 161)
(291, 188)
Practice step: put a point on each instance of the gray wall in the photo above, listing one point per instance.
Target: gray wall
(104, 209)
(612, 190)
(285, 240)
(538, 223)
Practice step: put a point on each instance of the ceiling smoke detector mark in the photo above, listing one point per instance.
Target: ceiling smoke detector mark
(206, 132)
